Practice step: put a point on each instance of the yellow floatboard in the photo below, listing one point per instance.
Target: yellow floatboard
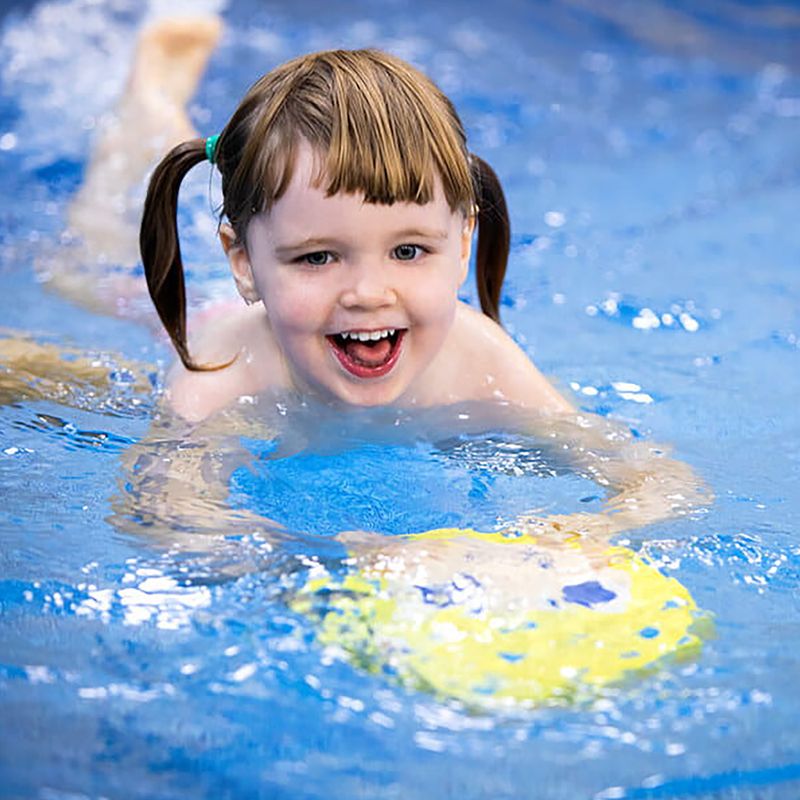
(491, 619)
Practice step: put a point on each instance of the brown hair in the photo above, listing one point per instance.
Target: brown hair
(382, 128)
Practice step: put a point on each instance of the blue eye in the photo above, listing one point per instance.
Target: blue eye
(407, 252)
(318, 259)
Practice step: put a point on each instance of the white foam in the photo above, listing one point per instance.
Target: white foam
(66, 64)
(52, 61)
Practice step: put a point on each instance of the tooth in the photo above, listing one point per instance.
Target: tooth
(367, 336)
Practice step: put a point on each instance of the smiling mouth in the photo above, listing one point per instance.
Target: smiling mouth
(368, 354)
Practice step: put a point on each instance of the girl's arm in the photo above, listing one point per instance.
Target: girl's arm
(173, 485)
(174, 488)
(644, 484)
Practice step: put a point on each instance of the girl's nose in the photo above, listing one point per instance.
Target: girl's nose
(368, 287)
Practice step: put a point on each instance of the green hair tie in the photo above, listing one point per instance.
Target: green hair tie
(211, 148)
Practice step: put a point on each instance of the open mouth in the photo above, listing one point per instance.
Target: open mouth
(368, 354)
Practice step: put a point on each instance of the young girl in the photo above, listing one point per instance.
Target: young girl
(350, 200)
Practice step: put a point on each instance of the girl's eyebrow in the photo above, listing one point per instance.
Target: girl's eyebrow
(422, 233)
(283, 250)
(305, 244)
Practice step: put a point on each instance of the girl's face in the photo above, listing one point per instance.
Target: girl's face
(360, 297)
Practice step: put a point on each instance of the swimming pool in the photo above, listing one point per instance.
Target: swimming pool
(650, 157)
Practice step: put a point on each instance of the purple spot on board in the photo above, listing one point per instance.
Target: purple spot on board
(587, 594)
(435, 596)
(512, 658)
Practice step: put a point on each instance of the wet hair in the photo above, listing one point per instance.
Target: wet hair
(379, 126)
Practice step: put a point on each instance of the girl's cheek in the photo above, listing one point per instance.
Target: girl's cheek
(296, 309)
(438, 298)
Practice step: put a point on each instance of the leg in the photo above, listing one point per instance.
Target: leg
(151, 118)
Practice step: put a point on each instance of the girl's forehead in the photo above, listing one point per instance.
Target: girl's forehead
(307, 188)
(306, 213)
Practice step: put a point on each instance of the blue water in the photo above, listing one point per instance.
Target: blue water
(651, 157)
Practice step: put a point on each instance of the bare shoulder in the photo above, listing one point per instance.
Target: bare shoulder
(499, 368)
(235, 344)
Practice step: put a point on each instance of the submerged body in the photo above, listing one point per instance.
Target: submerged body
(352, 300)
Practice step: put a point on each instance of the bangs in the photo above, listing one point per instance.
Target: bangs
(389, 141)
(379, 128)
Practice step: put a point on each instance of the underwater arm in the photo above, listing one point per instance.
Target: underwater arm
(173, 485)
(644, 483)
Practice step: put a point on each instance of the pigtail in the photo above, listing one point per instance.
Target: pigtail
(160, 247)
(494, 235)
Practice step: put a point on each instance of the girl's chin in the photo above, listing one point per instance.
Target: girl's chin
(342, 389)
(370, 396)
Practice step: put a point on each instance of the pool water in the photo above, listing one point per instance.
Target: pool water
(650, 154)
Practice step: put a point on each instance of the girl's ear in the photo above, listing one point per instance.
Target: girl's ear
(466, 245)
(240, 263)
